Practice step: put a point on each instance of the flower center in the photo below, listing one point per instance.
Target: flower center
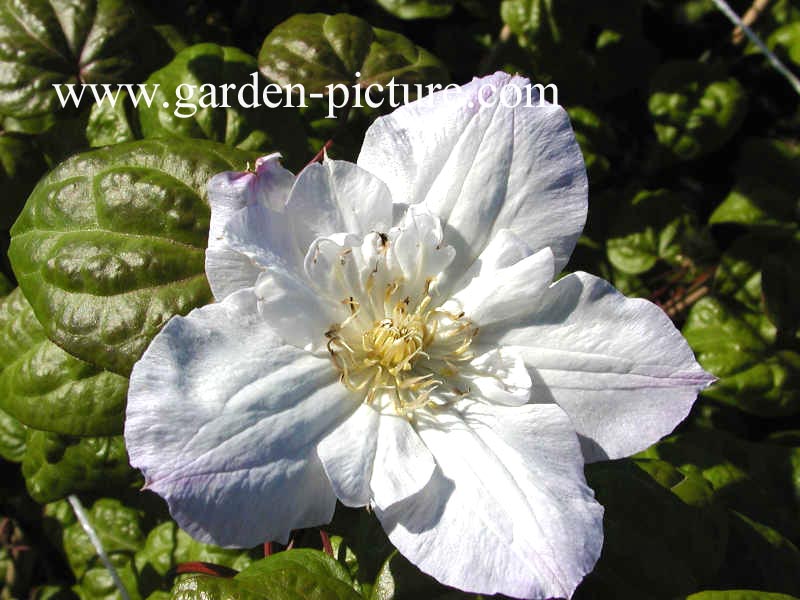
(405, 353)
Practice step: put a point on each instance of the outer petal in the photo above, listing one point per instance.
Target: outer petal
(224, 420)
(509, 500)
(229, 265)
(229, 192)
(482, 168)
(616, 365)
(337, 196)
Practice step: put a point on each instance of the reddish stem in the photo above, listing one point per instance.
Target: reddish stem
(204, 568)
(326, 542)
(318, 156)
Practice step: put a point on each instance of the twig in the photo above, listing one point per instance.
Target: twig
(750, 17)
(321, 154)
(774, 60)
(98, 546)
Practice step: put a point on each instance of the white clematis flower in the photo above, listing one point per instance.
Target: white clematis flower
(387, 333)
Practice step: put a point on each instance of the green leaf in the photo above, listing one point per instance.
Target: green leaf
(21, 165)
(13, 435)
(317, 50)
(738, 595)
(45, 388)
(5, 285)
(738, 276)
(111, 244)
(759, 557)
(292, 575)
(418, 9)
(58, 42)
(695, 109)
(650, 228)
(765, 194)
(113, 124)
(167, 546)
(300, 570)
(738, 347)
(590, 51)
(656, 545)
(55, 466)
(597, 141)
(119, 529)
(759, 480)
(785, 41)
(196, 76)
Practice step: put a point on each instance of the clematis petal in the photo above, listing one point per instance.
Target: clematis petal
(348, 453)
(229, 192)
(617, 366)
(294, 311)
(223, 419)
(500, 375)
(482, 166)
(498, 295)
(403, 465)
(247, 227)
(508, 499)
(337, 196)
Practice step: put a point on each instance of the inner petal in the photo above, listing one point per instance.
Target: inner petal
(397, 345)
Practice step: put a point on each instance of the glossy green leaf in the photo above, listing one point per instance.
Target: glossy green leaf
(46, 388)
(119, 529)
(590, 51)
(738, 275)
(113, 124)
(418, 9)
(738, 347)
(13, 435)
(190, 102)
(5, 285)
(785, 41)
(167, 546)
(759, 557)
(656, 545)
(765, 194)
(59, 42)
(695, 110)
(300, 570)
(652, 227)
(597, 141)
(292, 575)
(112, 242)
(21, 165)
(55, 466)
(759, 480)
(318, 50)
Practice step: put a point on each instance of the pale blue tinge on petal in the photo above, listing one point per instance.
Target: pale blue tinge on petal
(616, 365)
(485, 168)
(507, 509)
(223, 419)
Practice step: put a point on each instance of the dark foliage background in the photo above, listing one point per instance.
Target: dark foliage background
(691, 144)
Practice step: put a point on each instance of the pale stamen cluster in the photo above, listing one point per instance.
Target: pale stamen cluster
(409, 350)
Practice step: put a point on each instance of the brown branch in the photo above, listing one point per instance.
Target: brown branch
(750, 17)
